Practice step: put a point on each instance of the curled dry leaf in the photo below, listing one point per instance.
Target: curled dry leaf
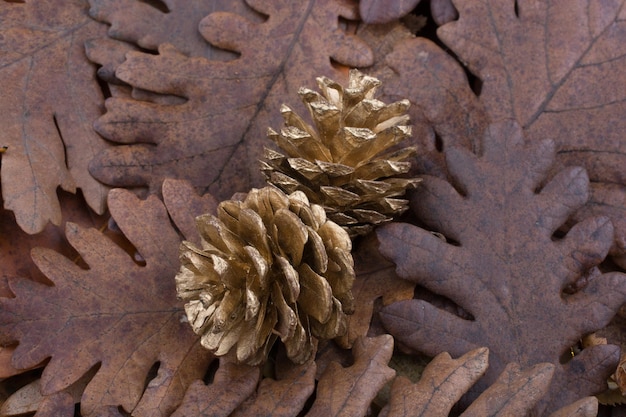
(50, 99)
(507, 269)
(214, 139)
(126, 318)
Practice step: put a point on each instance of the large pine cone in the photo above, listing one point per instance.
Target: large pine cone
(340, 164)
(271, 266)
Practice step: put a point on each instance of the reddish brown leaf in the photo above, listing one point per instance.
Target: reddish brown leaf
(148, 25)
(60, 404)
(441, 385)
(375, 277)
(443, 11)
(377, 11)
(109, 54)
(283, 397)
(590, 366)
(15, 244)
(184, 205)
(440, 100)
(445, 380)
(29, 399)
(231, 386)
(117, 313)
(508, 271)
(349, 391)
(557, 69)
(514, 393)
(216, 137)
(50, 100)
(585, 407)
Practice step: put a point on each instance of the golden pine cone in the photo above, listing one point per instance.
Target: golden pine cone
(270, 266)
(340, 163)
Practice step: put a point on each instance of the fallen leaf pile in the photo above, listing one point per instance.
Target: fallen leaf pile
(125, 120)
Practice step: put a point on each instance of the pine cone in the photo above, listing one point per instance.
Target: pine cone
(271, 266)
(338, 164)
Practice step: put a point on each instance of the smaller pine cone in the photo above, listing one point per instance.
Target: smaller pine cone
(270, 266)
(341, 164)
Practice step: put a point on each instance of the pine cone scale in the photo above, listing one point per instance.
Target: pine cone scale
(261, 275)
(351, 131)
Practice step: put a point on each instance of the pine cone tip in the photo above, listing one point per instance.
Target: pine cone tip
(344, 160)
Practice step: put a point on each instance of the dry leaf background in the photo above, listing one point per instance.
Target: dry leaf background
(89, 321)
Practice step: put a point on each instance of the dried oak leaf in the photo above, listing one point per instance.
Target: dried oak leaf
(556, 68)
(377, 12)
(15, 247)
(445, 380)
(508, 271)
(50, 99)
(150, 24)
(375, 278)
(444, 110)
(117, 313)
(232, 384)
(350, 391)
(136, 24)
(285, 396)
(215, 138)
(29, 399)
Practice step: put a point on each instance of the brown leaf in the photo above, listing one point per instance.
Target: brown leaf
(15, 244)
(443, 382)
(585, 407)
(51, 98)
(29, 399)
(442, 104)
(215, 138)
(573, 94)
(514, 393)
(443, 11)
(283, 397)
(184, 205)
(375, 277)
(377, 12)
(349, 391)
(117, 313)
(232, 384)
(108, 54)
(60, 404)
(507, 271)
(149, 25)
